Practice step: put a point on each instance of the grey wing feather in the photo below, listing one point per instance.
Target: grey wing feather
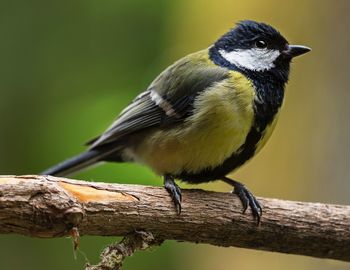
(141, 113)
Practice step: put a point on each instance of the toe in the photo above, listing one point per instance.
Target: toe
(248, 200)
(175, 193)
(243, 198)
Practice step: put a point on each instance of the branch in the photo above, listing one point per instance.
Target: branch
(113, 256)
(45, 206)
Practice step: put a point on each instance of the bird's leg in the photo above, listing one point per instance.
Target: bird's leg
(246, 197)
(174, 191)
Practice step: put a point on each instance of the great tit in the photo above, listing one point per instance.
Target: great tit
(204, 116)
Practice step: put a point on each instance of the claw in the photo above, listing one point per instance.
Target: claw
(247, 199)
(244, 199)
(174, 191)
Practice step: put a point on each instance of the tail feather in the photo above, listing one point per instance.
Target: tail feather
(75, 164)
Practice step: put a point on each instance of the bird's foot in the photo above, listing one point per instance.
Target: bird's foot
(247, 198)
(175, 192)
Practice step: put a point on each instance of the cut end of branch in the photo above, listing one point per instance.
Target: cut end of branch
(86, 194)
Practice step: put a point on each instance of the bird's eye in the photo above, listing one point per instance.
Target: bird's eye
(261, 44)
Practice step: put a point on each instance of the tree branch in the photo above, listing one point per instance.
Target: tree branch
(45, 206)
(113, 256)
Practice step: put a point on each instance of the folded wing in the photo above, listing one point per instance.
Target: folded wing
(167, 101)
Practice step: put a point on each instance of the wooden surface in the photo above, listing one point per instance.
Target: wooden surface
(44, 206)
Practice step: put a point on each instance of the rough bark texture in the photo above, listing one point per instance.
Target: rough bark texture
(113, 256)
(44, 206)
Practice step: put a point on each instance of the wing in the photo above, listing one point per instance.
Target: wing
(168, 100)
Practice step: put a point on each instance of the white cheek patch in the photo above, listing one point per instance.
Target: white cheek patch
(253, 59)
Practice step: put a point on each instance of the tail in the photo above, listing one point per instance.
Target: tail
(75, 164)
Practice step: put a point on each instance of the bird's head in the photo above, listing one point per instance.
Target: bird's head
(255, 47)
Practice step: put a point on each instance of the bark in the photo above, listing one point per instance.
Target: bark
(45, 206)
(113, 256)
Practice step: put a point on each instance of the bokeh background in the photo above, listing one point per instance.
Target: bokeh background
(68, 67)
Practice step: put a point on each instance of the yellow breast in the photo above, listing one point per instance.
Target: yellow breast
(221, 120)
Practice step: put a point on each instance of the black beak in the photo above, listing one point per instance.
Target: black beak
(295, 50)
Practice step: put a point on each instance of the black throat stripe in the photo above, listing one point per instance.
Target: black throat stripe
(270, 94)
(269, 87)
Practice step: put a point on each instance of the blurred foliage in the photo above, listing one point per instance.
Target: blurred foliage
(68, 67)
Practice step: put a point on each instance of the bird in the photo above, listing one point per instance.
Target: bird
(204, 116)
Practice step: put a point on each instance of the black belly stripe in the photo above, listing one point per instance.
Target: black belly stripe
(237, 159)
(265, 108)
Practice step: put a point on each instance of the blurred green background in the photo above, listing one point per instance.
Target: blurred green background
(68, 67)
